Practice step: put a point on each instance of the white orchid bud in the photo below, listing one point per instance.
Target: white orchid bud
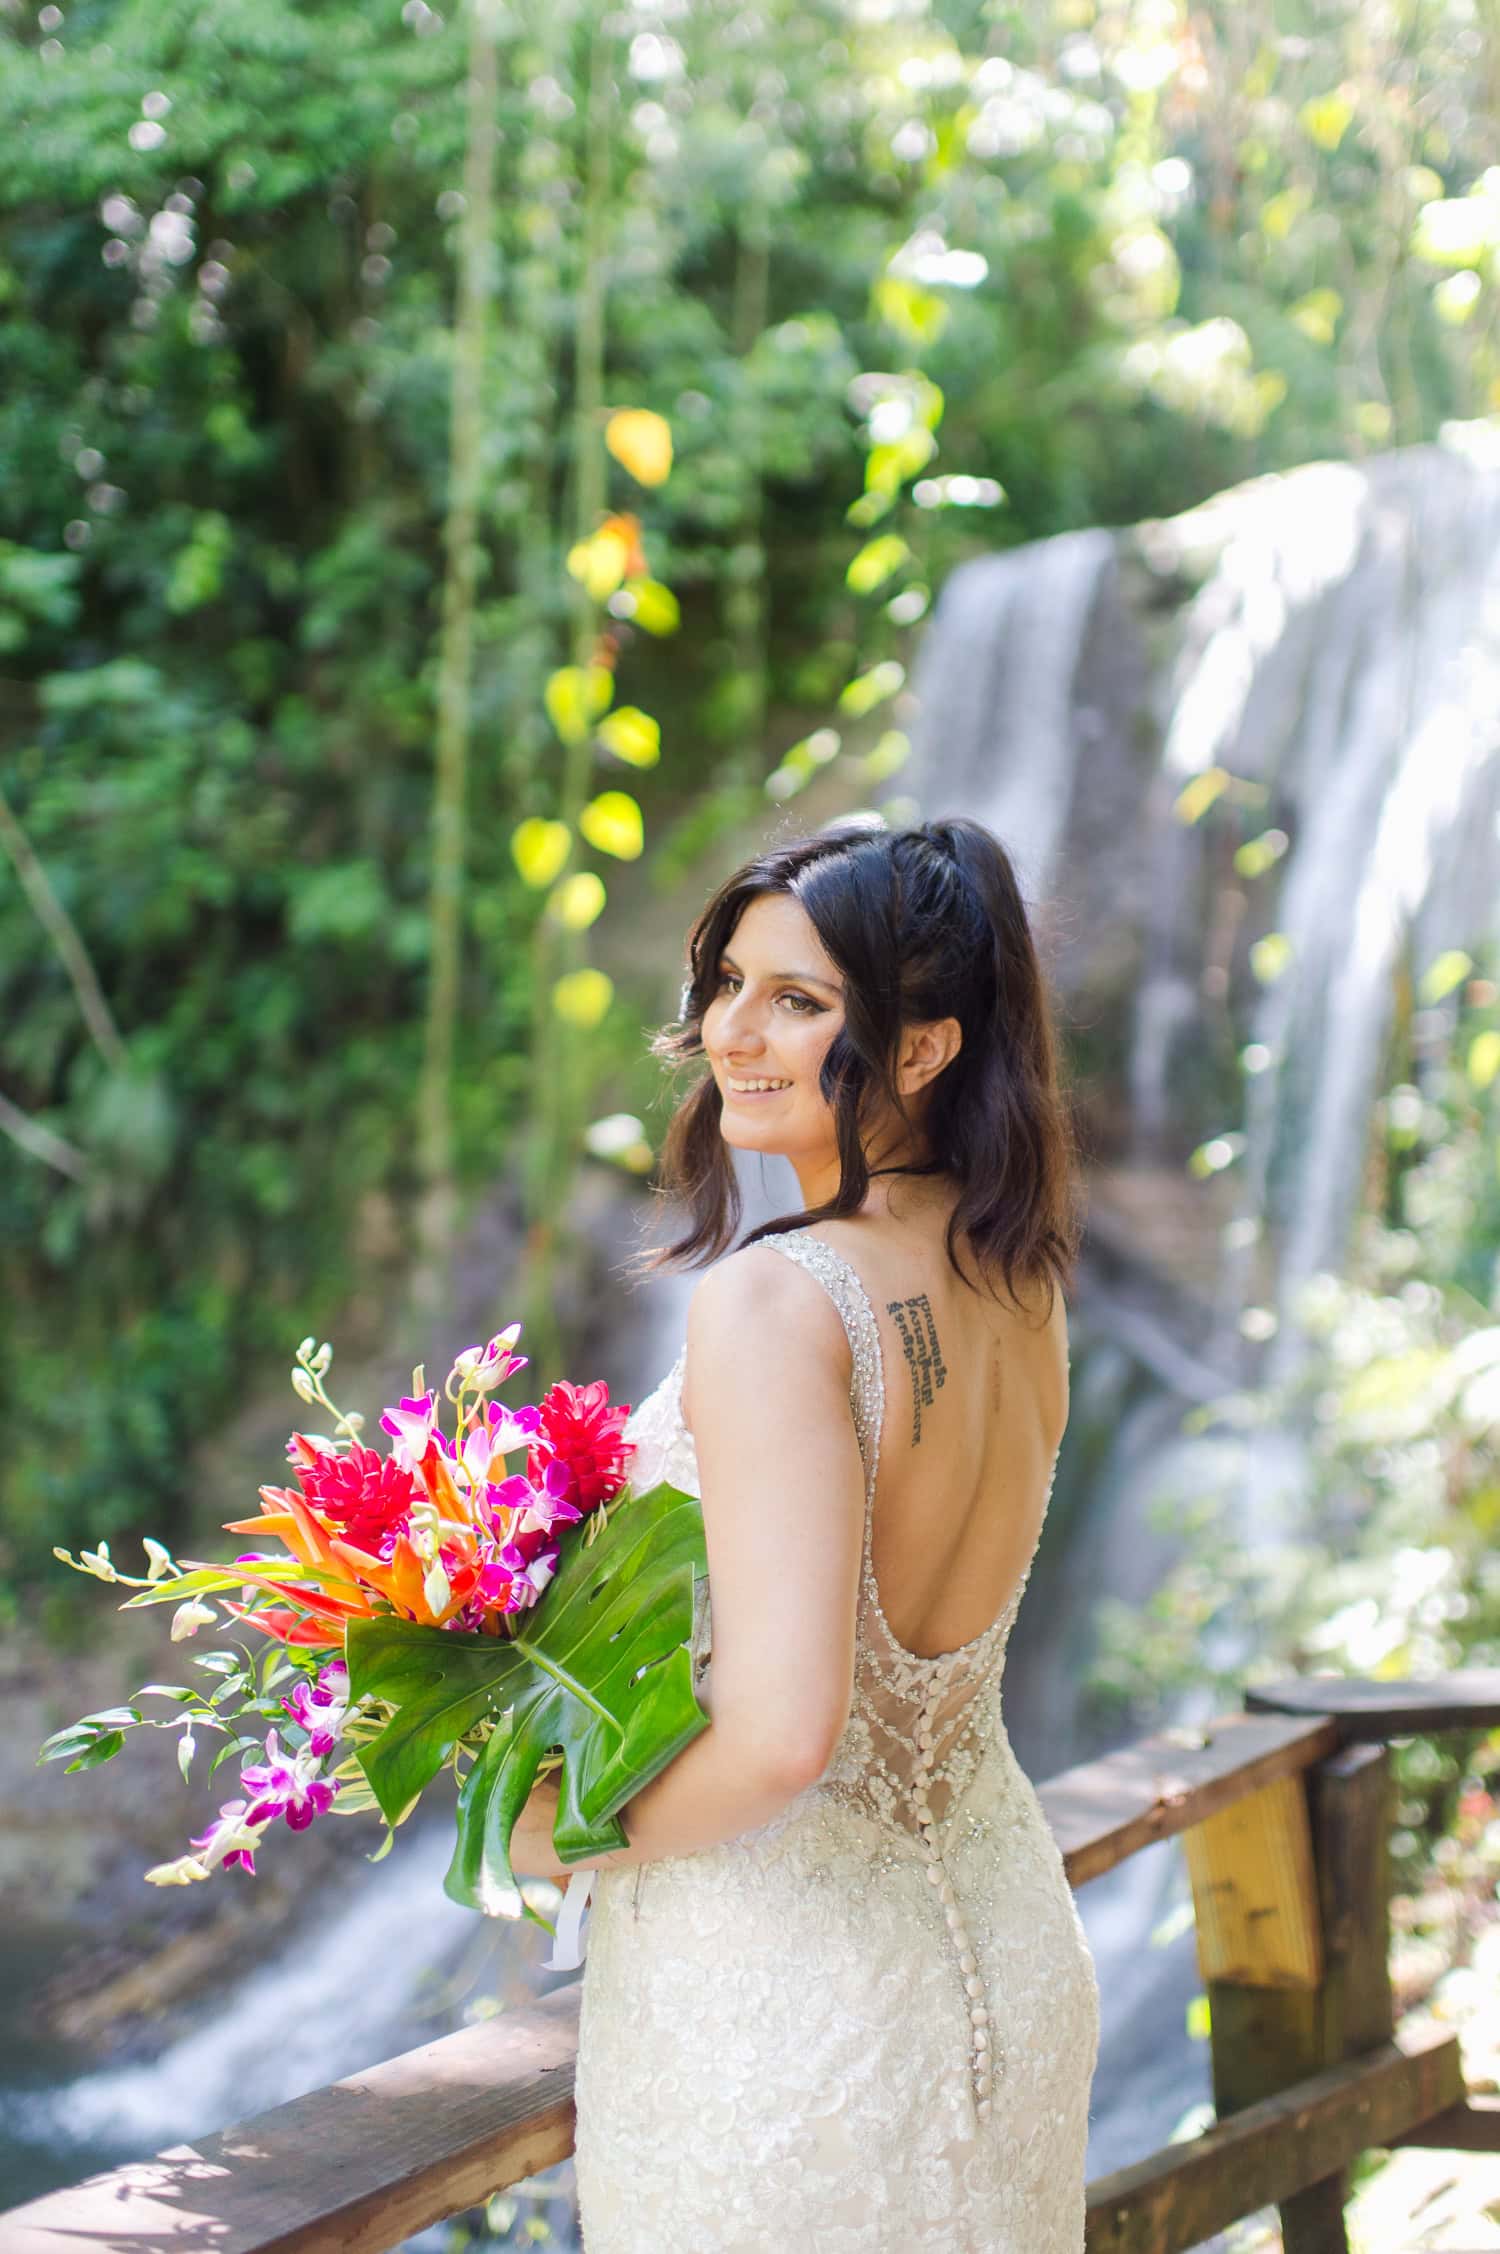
(305, 1350)
(98, 1563)
(190, 1617)
(160, 1558)
(436, 1587)
(181, 1873)
(302, 1385)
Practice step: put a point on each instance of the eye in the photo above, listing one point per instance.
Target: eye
(802, 1005)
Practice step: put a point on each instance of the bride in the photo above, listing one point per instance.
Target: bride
(837, 1995)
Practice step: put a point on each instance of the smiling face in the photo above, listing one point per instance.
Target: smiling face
(776, 1007)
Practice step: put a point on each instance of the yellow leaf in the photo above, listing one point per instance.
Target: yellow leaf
(1450, 969)
(890, 753)
(642, 442)
(1457, 230)
(1317, 315)
(866, 690)
(1198, 2020)
(577, 900)
(1257, 854)
(539, 849)
(918, 315)
(1326, 119)
(1457, 296)
(1270, 956)
(1196, 796)
(1279, 213)
(876, 562)
(582, 998)
(632, 735)
(600, 563)
(1484, 1058)
(612, 824)
(575, 696)
(649, 604)
(889, 464)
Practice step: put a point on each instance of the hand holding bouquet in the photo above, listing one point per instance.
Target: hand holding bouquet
(431, 1608)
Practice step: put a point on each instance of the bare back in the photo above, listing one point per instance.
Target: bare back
(976, 1401)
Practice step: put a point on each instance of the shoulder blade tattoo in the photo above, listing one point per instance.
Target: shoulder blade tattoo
(917, 1332)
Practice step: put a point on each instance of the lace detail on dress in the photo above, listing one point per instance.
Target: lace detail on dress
(917, 1724)
(779, 2045)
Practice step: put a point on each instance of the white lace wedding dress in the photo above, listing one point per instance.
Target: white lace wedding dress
(871, 2024)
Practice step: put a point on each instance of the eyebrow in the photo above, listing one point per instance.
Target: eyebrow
(799, 977)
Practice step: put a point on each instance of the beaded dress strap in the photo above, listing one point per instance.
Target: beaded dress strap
(867, 1378)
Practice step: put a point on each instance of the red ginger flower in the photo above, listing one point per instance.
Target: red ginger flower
(369, 1496)
(582, 1432)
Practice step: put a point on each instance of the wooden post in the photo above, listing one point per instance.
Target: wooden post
(1271, 2024)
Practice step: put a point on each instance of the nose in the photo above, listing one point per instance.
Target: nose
(737, 1029)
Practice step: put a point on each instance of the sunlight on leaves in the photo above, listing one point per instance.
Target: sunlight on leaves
(876, 562)
(1450, 969)
(873, 687)
(649, 605)
(1195, 798)
(575, 696)
(612, 824)
(1270, 957)
(539, 850)
(578, 900)
(642, 443)
(1483, 1059)
(632, 735)
(582, 998)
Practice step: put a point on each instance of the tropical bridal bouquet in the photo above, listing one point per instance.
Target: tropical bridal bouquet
(431, 1608)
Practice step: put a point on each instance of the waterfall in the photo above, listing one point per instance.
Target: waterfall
(1330, 638)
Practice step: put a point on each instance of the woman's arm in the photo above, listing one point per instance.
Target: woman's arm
(766, 1392)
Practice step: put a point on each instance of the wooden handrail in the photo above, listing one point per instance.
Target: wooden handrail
(357, 2167)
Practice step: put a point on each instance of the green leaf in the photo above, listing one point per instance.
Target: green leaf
(601, 1673)
(102, 1749)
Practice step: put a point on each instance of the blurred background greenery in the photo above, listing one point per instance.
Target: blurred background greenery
(904, 283)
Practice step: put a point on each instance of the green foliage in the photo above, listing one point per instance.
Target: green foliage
(1107, 267)
(601, 1674)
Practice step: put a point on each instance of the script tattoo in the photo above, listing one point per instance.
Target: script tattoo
(924, 1356)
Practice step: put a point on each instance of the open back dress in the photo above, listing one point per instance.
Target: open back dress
(869, 2025)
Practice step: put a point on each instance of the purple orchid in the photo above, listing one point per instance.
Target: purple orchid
(412, 1424)
(537, 1504)
(481, 1368)
(319, 1708)
(290, 1788)
(530, 1557)
(231, 1839)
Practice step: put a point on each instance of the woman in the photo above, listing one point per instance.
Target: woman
(837, 1994)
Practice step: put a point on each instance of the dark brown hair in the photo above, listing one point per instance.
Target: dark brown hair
(922, 923)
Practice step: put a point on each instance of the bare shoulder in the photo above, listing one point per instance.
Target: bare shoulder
(758, 1315)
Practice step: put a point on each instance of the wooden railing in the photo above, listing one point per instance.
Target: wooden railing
(1285, 1812)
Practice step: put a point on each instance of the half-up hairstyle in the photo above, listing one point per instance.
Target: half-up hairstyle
(922, 924)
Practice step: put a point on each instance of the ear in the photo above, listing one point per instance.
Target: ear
(926, 1050)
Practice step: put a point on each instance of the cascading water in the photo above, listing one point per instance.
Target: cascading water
(1339, 661)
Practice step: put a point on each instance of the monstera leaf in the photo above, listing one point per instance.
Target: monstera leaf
(601, 1671)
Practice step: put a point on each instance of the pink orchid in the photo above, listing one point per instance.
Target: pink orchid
(287, 1788)
(319, 1708)
(531, 1558)
(482, 1368)
(412, 1423)
(230, 1839)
